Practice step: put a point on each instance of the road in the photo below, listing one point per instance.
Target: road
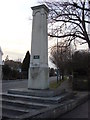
(13, 84)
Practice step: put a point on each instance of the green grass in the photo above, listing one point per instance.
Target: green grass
(54, 85)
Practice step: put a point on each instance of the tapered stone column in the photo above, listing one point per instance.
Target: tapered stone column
(38, 71)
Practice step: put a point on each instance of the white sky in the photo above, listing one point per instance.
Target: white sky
(15, 27)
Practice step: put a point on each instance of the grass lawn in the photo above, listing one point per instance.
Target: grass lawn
(54, 85)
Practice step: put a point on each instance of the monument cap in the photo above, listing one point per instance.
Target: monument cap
(40, 6)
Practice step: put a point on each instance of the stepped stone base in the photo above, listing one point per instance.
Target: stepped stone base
(30, 104)
(39, 93)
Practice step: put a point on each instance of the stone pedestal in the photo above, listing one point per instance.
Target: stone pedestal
(38, 71)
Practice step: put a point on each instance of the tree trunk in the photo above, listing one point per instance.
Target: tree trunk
(62, 74)
(89, 45)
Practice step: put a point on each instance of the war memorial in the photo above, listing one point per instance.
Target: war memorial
(38, 100)
(38, 72)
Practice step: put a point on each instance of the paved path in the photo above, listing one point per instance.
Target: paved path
(81, 111)
(65, 85)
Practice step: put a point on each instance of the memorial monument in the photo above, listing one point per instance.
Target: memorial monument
(38, 101)
(1, 53)
(38, 71)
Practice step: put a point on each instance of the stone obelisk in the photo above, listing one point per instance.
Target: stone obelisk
(38, 71)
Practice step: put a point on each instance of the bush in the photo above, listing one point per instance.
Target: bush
(80, 84)
(9, 74)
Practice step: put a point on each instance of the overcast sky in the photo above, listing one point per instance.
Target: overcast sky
(15, 27)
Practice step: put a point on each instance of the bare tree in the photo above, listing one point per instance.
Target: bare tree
(61, 55)
(71, 18)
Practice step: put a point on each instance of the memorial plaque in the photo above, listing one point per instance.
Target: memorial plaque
(36, 57)
(36, 60)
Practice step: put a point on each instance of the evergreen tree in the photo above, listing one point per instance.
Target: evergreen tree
(25, 64)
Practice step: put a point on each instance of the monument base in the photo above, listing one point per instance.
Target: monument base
(38, 78)
(38, 93)
(31, 104)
